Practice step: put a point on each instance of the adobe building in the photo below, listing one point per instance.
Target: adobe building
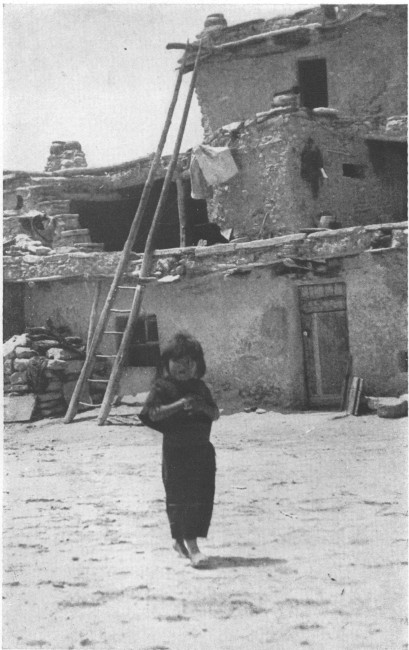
(335, 74)
(286, 272)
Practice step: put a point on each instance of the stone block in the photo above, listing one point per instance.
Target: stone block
(19, 377)
(46, 398)
(58, 207)
(393, 407)
(9, 347)
(24, 353)
(43, 345)
(61, 354)
(8, 366)
(56, 364)
(19, 388)
(19, 409)
(66, 222)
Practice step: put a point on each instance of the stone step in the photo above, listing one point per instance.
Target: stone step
(91, 247)
(71, 237)
(57, 207)
(66, 222)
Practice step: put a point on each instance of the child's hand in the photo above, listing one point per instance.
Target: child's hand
(194, 404)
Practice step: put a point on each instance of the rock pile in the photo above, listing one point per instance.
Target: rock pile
(64, 155)
(45, 361)
(24, 244)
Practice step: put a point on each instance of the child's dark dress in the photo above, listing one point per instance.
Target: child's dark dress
(188, 459)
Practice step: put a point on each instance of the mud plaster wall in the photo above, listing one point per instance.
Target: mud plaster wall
(366, 68)
(249, 328)
(377, 315)
(269, 188)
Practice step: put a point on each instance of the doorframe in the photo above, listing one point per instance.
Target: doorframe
(311, 283)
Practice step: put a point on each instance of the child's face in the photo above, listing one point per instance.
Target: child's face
(182, 369)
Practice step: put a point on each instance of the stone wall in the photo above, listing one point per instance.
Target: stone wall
(268, 197)
(366, 68)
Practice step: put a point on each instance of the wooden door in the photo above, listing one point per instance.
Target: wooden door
(325, 341)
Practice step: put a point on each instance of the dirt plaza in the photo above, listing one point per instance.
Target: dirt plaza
(308, 542)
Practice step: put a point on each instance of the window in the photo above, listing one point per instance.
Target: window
(144, 350)
(312, 80)
(353, 171)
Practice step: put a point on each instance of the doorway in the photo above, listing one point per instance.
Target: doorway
(312, 81)
(325, 341)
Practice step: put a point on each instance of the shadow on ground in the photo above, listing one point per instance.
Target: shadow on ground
(221, 562)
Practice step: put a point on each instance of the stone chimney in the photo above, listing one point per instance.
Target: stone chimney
(64, 155)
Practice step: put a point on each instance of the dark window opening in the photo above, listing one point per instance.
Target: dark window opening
(144, 350)
(312, 80)
(353, 171)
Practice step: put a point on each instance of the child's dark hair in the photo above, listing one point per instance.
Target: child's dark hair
(181, 345)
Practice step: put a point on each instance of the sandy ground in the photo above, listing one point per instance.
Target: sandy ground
(308, 540)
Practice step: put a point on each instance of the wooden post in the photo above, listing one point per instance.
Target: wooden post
(93, 314)
(181, 192)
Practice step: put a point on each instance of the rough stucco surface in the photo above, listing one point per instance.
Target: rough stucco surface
(366, 67)
(377, 315)
(268, 197)
(250, 326)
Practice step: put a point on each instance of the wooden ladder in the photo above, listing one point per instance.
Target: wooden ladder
(118, 283)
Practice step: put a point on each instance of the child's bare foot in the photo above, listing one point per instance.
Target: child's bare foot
(197, 558)
(180, 548)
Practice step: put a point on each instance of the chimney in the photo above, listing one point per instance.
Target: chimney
(64, 155)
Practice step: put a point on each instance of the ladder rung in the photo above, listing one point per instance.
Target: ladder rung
(112, 332)
(106, 356)
(124, 287)
(146, 280)
(121, 311)
(94, 406)
(98, 381)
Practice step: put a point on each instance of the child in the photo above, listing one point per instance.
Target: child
(181, 407)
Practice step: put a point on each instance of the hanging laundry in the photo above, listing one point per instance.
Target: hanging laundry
(199, 187)
(216, 165)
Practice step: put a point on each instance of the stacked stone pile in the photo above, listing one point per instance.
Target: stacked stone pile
(24, 244)
(47, 362)
(64, 155)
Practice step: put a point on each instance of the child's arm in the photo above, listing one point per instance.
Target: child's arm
(158, 413)
(211, 410)
(204, 404)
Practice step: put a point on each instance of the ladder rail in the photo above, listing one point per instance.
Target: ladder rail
(99, 329)
(147, 257)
